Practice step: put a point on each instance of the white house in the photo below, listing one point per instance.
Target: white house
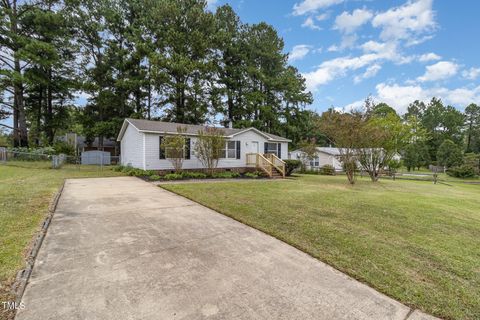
(324, 156)
(140, 146)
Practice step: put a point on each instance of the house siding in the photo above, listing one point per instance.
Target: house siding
(323, 157)
(153, 162)
(132, 148)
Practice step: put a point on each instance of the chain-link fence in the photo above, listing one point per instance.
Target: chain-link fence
(87, 160)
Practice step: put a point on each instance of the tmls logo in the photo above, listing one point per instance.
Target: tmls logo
(12, 305)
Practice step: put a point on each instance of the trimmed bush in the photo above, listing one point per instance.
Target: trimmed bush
(173, 176)
(194, 175)
(463, 171)
(225, 175)
(291, 165)
(154, 177)
(327, 170)
(251, 175)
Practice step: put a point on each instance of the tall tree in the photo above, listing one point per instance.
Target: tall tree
(51, 75)
(442, 122)
(231, 66)
(182, 64)
(14, 41)
(472, 122)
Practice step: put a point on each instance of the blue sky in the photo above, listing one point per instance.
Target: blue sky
(397, 51)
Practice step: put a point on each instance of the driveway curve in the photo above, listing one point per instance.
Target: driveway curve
(122, 248)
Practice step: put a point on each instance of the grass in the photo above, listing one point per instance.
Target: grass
(26, 189)
(414, 241)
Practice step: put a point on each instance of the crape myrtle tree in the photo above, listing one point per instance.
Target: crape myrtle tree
(344, 130)
(174, 148)
(383, 135)
(309, 152)
(209, 146)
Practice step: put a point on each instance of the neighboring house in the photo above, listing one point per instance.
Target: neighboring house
(81, 144)
(325, 155)
(140, 146)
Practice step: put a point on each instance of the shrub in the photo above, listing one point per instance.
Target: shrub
(225, 175)
(154, 177)
(173, 176)
(291, 165)
(138, 173)
(327, 170)
(252, 175)
(463, 171)
(63, 147)
(194, 175)
(118, 168)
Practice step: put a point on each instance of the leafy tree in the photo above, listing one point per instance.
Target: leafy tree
(449, 154)
(472, 122)
(442, 123)
(174, 147)
(416, 155)
(344, 130)
(383, 110)
(208, 147)
(382, 137)
(309, 151)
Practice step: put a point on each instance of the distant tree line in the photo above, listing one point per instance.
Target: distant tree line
(168, 59)
(427, 134)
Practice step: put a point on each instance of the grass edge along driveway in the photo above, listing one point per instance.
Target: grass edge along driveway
(26, 190)
(414, 241)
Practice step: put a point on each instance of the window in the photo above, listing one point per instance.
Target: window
(230, 151)
(271, 147)
(315, 162)
(169, 153)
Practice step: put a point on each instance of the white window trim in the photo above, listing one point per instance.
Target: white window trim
(226, 150)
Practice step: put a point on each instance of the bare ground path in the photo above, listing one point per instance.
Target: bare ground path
(122, 248)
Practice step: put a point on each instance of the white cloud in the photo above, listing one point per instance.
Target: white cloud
(348, 23)
(299, 52)
(429, 57)
(323, 16)
(331, 69)
(386, 50)
(439, 71)
(407, 21)
(471, 74)
(348, 41)
(307, 6)
(309, 23)
(399, 97)
(370, 72)
(374, 54)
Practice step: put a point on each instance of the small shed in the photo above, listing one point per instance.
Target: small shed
(96, 157)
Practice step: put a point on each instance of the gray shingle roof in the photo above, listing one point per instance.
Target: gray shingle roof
(171, 127)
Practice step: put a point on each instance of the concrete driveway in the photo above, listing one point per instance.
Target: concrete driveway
(121, 248)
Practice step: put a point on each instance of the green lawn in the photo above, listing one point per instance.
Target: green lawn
(26, 189)
(415, 241)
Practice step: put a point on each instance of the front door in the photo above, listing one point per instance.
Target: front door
(253, 147)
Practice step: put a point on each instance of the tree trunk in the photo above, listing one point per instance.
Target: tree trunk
(49, 115)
